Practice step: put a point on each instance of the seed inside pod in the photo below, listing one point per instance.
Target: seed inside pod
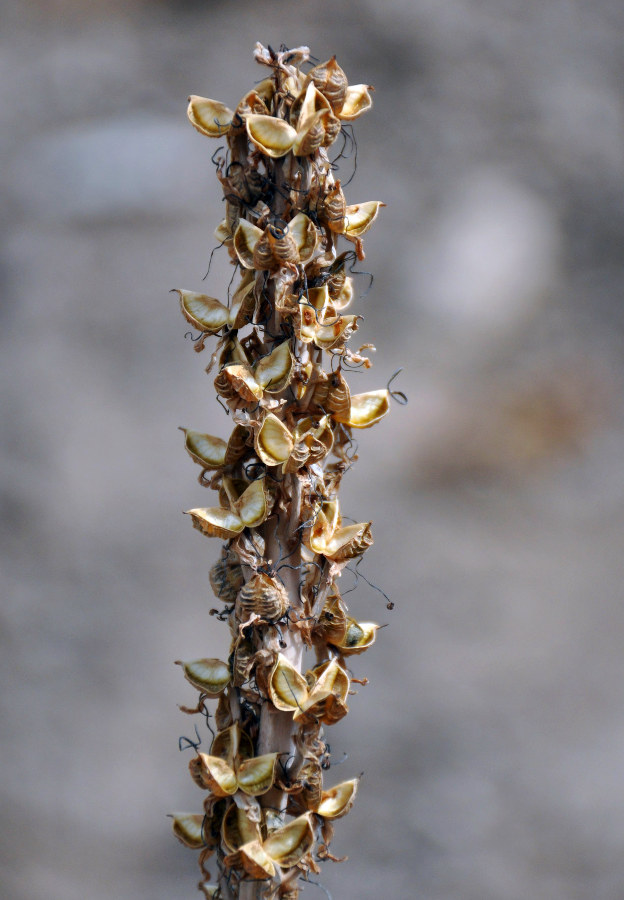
(273, 442)
(358, 637)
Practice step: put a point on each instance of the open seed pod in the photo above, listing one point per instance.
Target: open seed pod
(358, 637)
(331, 81)
(237, 382)
(210, 676)
(189, 829)
(237, 829)
(204, 449)
(288, 844)
(337, 801)
(366, 409)
(274, 371)
(357, 101)
(273, 137)
(232, 744)
(273, 441)
(288, 689)
(209, 117)
(360, 217)
(205, 313)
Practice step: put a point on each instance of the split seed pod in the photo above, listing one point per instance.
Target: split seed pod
(262, 596)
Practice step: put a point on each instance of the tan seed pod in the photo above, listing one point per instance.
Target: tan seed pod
(262, 596)
(331, 81)
(333, 127)
(333, 208)
(236, 445)
(288, 689)
(357, 101)
(232, 744)
(243, 302)
(256, 776)
(348, 542)
(358, 637)
(311, 135)
(298, 458)
(242, 661)
(205, 449)
(253, 506)
(238, 382)
(366, 409)
(215, 775)
(223, 713)
(209, 117)
(339, 397)
(311, 780)
(273, 441)
(335, 333)
(305, 234)
(216, 522)
(210, 676)
(344, 296)
(275, 248)
(189, 829)
(253, 859)
(205, 313)
(226, 576)
(288, 844)
(360, 217)
(237, 829)
(274, 371)
(246, 237)
(331, 626)
(273, 137)
(337, 801)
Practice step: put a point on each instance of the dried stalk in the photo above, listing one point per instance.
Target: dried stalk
(267, 820)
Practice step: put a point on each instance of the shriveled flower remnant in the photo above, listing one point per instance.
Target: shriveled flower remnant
(280, 362)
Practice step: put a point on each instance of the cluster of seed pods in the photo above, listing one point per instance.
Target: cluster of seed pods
(267, 817)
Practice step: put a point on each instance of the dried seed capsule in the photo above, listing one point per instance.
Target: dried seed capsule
(366, 409)
(237, 382)
(226, 576)
(337, 801)
(237, 829)
(209, 117)
(262, 596)
(277, 247)
(331, 81)
(210, 676)
(273, 441)
(205, 313)
(357, 101)
(232, 744)
(311, 780)
(333, 208)
(189, 829)
(205, 449)
(273, 137)
(256, 776)
(288, 844)
(358, 637)
(339, 397)
(274, 371)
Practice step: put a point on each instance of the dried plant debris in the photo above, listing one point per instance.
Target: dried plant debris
(281, 357)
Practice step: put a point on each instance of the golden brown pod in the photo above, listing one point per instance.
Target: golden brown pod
(226, 576)
(210, 676)
(339, 396)
(205, 313)
(209, 117)
(246, 237)
(273, 441)
(262, 596)
(357, 101)
(237, 382)
(189, 829)
(337, 801)
(232, 745)
(331, 81)
(237, 829)
(288, 844)
(334, 208)
(273, 137)
(366, 409)
(205, 449)
(288, 689)
(311, 780)
(215, 775)
(275, 248)
(256, 776)
(274, 371)
(358, 637)
(360, 217)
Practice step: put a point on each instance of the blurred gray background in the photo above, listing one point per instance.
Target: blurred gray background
(491, 736)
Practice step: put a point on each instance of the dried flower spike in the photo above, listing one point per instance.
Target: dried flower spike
(282, 354)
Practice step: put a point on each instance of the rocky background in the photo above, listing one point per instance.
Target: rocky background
(491, 736)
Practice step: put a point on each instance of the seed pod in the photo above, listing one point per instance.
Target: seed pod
(246, 238)
(287, 687)
(332, 623)
(232, 744)
(274, 371)
(358, 637)
(189, 829)
(204, 449)
(226, 576)
(238, 383)
(256, 776)
(271, 136)
(215, 775)
(339, 398)
(337, 801)
(288, 844)
(273, 442)
(253, 859)
(237, 829)
(210, 676)
(209, 117)
(331, 81)
(360, 217)
(311, 780)
(262, 596)
(275, 248)
(366, 409)
(236, 445)
(202, 312)
(333, 208)
(357, 101)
